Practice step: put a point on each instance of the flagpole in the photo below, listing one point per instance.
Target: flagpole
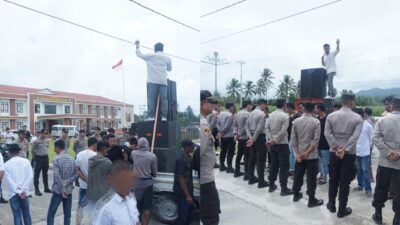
(123, 95)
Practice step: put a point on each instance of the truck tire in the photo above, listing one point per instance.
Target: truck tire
(165, 209)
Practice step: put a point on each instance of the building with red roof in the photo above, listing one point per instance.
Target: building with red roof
(43, 108)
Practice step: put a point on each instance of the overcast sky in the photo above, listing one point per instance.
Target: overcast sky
(368, 30)
(40, 52)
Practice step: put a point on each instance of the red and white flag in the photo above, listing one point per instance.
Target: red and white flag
(117, 66)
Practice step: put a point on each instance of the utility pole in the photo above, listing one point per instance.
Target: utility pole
(216, 61)
(241, 62)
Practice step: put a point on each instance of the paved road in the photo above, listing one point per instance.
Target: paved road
(245, 204)
(39, 207)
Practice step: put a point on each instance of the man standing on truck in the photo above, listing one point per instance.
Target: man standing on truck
(157, 66)
(145, 164)
(329, 62)
(210, 204)
(183, 183)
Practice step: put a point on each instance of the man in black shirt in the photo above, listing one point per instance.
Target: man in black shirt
(183, 183)
(133, 141)
(116, 152)
(323, 147)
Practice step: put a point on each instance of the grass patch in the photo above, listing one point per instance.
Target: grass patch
(52, 153)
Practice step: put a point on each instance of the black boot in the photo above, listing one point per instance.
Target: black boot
(216, 166)
(297, 196)
(331, 207)
(344, 212)
(222, 167)
(396, 219)
(2, 200)
(238, 174)
(263, 184)
(272, 187)
(286, 192)
(38, 193)
(47, 190)
(313, 202)
(253, 180)
(377, 216)
(230, 170)
(246, 177)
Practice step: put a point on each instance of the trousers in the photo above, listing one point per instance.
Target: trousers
(227, 151)
(243, 150)
(41, 165)
(258, 155)
(279, 164)
(311, 167)
(384, 177)
(153, 90)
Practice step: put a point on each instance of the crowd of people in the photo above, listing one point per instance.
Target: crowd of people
(114, 173)
(308, 141)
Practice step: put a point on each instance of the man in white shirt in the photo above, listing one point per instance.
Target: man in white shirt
(9, 136)
(82, 166)
(328, 61)
(19, 175)
(157, 66)
(2, 200)
(121, 209)
(363, 160)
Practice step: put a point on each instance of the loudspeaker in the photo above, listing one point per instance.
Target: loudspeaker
(166, 158)
(313, 83)
(167, 133)
(172, 101)
(328, 102)
(134, 129)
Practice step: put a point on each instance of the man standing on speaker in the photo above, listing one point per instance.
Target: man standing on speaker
(328, 61)
(157, 66)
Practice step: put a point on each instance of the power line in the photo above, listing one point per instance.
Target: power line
(172, 19)
(93, 30)
(270, 22)
(223, 8)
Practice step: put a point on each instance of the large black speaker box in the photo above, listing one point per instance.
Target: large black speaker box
(313, 83)
(167, 133)
(172, 101)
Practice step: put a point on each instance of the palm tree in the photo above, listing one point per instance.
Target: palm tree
(266, 76)
(249, 89)
(286, 87)
(261, 89)
(232, 88)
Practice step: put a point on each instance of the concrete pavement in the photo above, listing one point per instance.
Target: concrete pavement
(245, 204)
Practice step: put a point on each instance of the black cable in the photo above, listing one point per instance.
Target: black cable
(172, 19)
(223, 8)
(96, 31)
(270, 22)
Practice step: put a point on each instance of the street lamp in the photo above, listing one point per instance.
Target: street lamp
(241, 62)
(216, 61)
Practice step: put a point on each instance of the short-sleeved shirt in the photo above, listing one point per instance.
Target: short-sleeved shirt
(330, 62)
(116, 153)
(24, 145)
(40, 147)
(82, 161)
(183, 169)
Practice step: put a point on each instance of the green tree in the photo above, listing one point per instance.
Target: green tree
(232, 88)
(266, 76)
(261, 88)
(249, 89)
(286, 87)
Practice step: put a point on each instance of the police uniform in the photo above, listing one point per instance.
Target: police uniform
(225, 126)
(80, 145)
(278, 123)
(305, 134)
(386, 137)
(24, 145)
(40, 149)
(210, 204)
(240, 130)
(66, 142)
(342, 128)
(255, 129)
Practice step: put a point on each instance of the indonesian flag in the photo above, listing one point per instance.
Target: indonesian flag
(117, 66)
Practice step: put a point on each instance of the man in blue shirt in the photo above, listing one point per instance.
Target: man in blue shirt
(183, 183)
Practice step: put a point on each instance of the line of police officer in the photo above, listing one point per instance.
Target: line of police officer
(342, 131)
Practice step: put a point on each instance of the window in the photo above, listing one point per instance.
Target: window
(101, 111)
(20, 108)
(77, 109)
(37, 108)
(109, 111)
(4, 125)
(37, 126)
(116, 111)
(128, 117)
(85, 109)
(50, 109)
(19, 125)
(67, 109)
(4, 106)
(94, 110)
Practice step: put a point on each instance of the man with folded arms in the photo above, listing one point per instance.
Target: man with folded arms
(305, 136)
